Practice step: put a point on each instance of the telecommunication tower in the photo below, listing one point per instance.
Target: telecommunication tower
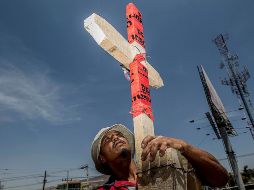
(236, 79)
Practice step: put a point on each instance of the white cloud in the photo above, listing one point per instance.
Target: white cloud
(28, 93)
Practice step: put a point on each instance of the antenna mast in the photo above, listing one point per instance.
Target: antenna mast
(236, 80)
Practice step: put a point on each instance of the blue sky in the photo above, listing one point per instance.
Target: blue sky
(58, 87)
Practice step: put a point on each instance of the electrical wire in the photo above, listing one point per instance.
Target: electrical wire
(21, 177)
(25, 185)
(31, 184)
(240, 156)
(202, 118)
(33, 176)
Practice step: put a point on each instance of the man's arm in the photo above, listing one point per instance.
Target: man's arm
(207, 167)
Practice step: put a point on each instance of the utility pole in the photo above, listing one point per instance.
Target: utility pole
(44, 180)
(85, 168)
(224, 127)
(1, 186)
(231, 157)
(67, 179)
(236, 80)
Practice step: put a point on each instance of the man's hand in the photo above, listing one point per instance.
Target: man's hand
(201, 160)
(152, 144)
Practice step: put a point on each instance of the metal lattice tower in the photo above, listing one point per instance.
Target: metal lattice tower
(236, 79)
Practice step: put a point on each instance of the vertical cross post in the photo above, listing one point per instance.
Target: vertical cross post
(140, 90)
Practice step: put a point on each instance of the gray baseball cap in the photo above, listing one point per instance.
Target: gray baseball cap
(96, 145)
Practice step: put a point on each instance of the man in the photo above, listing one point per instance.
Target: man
(113, 151)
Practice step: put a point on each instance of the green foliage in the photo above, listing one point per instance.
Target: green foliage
(247, 176)
(231, 180)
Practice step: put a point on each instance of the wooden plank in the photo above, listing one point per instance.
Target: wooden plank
(172, 172)
(143, 126)
(114, 43)
(169, 171)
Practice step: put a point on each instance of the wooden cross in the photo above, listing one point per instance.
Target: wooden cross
(169, 171)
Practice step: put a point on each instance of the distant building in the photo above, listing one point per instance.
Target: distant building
(50, 188)
(94, 182)
(91, 184)
(72, 185)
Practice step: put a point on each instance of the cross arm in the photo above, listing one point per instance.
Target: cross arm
(117, 46)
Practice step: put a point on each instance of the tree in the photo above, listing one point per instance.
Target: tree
(231, 180)
(247, 174)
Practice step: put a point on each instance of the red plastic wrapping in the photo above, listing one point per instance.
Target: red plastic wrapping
(134, 25)
(140, 90)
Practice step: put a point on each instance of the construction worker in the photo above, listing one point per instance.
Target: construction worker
(113, 151)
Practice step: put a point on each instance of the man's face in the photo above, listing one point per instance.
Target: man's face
(114, 145)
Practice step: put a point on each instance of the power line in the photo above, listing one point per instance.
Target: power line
(240, 156)
(48, 182)
(34, 176)
(21, 177)
(31, 184)
(15, 178)
(25, 185)
(203, 118)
